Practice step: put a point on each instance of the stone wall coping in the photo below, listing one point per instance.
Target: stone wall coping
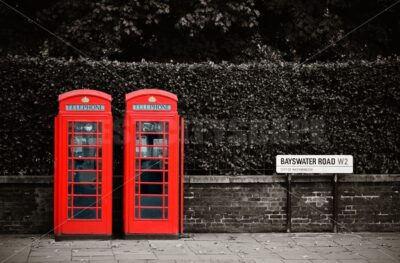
(226, 179)
(26, 179)
(197, 179)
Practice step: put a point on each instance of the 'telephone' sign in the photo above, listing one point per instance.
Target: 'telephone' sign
(152, 107)
(85, 107)
(331, 164)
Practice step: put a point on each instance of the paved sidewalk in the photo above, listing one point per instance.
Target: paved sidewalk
(260, 247)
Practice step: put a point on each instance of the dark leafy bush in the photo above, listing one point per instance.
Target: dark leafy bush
(202, 30)
(238, 116)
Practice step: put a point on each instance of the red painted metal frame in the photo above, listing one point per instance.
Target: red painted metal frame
(65, 224)
(181, 173)
(134, 224)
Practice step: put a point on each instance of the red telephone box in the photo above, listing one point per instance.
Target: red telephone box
(153, 164)
(83, 164)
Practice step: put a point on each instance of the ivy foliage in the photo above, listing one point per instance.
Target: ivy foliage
(238, 117)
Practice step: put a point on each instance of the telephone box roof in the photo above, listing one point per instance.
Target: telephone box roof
(158, 92)
(80, 92)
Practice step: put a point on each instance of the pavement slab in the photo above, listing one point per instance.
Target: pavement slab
(346, 255)
(211, 247)
(89, 252)
(296, 253)
(127, 257)
(382, 261)
(251, 250)
(325, 261)
(268, 260)
(354, 261)
(89, 244)
(297, 261)
(203, 247)
(327, 250)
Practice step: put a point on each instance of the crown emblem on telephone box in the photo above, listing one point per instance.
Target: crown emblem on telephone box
(85, 99)
(152, 99)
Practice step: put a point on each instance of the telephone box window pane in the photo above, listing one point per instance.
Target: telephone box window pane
(85, 164)
(84, 140)
(99, 213)
(153, 139)
(69, 189)
(84, 201)
(151, 151)
(69, 126)
(69, 201)
(85, 176)
(146, 152)
(84, 151)
(152, 126)
(70, 179)
(100, 140)
(100, 125)
(70, 164)
(166, 201)
(100, 164)
(84, 213)
(85, 127)
(100, 152)
(150, 189)
(85, 189)
(151, 213)
(151, 164)
(151, 201)
(157, 152)
(151, 177)
(69, 213)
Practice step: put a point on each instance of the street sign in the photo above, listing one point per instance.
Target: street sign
(319, 164)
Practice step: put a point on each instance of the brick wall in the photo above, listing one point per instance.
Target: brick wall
(312, 208)
(26, 206)
(235, 208)
(232, 204)
(259, 203)
(369, 206)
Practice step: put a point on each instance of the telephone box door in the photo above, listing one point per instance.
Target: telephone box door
(152, 204)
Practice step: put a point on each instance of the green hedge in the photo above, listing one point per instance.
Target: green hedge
(238, 116)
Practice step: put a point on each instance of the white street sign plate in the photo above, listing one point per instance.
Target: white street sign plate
(318, 164)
